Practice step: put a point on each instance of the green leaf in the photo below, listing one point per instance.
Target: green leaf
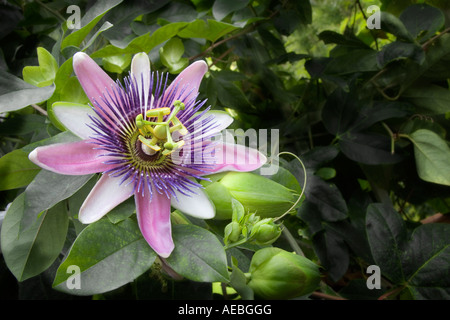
(108, 256)
(327, 198)
(198, 255)
(171, 55)
(387, 235)
(143, 43)
(222, 8)
(46, 190)
(368, 148)
(30, 252)
(16, 170)
(430, 99)
(89, 20)
(422, 20)
(210, 30)
(16, 94)
(44, 74)
(426, 262)
(117, 64)
(238, 281)
(432, 155)
(399, 50)
(395, 26)
(73, 92)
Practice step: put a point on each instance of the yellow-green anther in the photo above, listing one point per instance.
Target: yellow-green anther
(149, 143)
(177, 106)
(178, 126)
(158, 112)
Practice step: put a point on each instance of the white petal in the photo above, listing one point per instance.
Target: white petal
(140, 69)
(105, 196)
(220, 122)
(196, 205)
(75, 117)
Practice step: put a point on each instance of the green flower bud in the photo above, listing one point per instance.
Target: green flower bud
(232, 232)
(258, 194)
(278, 274)
(265, 232)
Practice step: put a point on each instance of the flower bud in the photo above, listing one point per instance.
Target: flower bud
(232, 232)
(278, 274)
(256, 193)
(265, 232)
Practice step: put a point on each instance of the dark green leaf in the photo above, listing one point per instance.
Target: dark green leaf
(399, 50)
(386, 233)
(107, 255)
(426, 262)
(222, 8)
(46, 190)
(368, 148)
(30, 252)
(198, 255)
(422, 20)
(429, 99)
(395, 26)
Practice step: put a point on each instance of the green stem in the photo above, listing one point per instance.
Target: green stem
(303, 188)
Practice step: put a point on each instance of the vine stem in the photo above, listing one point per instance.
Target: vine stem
(38, 108)
(303, 188)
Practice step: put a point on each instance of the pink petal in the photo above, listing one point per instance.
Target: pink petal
(190, 78)
(154, 221)
(93, 79)
(105, 196)
(236, 157)
(74, 158)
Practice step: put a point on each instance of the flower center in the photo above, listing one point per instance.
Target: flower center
(155, 134)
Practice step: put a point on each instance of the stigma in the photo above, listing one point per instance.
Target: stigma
(155, 133)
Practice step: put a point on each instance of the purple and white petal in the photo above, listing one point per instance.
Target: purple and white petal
(75, 117)
(153, 214)
(105, 196)
(196, 204)
(236, 157)
(73, 158)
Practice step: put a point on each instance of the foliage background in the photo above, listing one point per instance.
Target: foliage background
(366, 110)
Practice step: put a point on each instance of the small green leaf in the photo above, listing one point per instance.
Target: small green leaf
(73, 92)
(171, 55)
(16, 170)
(117, 64)
(44, 74)
(432, 155)
(107, 255)
(198, 255)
